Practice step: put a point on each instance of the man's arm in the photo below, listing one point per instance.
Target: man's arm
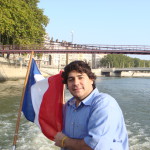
(72, 144)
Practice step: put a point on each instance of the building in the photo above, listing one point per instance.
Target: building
(57, 60)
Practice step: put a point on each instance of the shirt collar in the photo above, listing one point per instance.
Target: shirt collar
(87, 101)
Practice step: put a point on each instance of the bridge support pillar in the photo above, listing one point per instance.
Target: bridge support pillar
(116, 74)
(67, 57)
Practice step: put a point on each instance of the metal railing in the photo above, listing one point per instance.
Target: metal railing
(77, 48)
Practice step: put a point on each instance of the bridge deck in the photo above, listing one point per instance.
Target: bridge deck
(74, 48)
(125, 69)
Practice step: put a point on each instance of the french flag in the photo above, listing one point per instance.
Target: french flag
(43, 101)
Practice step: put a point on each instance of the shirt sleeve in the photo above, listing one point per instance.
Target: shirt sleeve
(104, 122)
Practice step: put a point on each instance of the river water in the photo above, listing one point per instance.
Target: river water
(132, 94)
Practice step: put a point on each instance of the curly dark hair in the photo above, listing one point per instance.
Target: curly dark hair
(81, 67)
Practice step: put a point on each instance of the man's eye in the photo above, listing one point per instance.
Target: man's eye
(70, 79)
(80, 77)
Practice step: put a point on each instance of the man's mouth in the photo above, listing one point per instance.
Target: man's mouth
(76, 89)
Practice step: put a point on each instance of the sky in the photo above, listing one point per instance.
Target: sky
(108, 22)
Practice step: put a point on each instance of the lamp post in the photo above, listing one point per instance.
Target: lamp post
(72, 36)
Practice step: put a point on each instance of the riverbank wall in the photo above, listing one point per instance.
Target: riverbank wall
(13, 71)
(135, 74)
(10, 71)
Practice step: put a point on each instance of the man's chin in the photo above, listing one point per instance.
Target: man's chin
(76, 94)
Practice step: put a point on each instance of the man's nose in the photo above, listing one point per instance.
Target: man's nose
(76, 81)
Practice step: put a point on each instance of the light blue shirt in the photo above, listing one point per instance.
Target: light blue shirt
(98, 120)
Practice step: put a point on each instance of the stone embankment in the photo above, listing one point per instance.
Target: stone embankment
(9, 71)
(135, 74)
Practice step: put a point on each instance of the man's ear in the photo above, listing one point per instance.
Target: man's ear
(92, 81)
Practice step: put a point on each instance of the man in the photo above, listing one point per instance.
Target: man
(92, 120)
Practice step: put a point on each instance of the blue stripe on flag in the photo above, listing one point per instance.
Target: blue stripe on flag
(27, 107)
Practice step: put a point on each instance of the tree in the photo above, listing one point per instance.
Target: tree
(123, 61)
(21, 22)
(136, 62)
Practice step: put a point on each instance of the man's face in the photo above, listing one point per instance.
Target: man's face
(79, 84)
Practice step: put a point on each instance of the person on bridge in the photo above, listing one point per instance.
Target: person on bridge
(92, 120)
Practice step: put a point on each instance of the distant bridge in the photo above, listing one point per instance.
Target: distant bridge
(118, 71)
(76, 48)
(125, 69)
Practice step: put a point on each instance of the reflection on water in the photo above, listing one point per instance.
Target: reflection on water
(132, 94)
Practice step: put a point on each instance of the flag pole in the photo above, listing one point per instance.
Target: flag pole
(21, 102)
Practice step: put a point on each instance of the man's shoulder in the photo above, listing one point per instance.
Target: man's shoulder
(101, 98)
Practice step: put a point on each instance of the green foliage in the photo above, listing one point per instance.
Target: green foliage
(122, 61)
(21, 22)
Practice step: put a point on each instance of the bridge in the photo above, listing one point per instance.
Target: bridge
(76, 48)
(118, 71)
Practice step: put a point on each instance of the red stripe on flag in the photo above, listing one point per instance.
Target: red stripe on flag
(50, 115)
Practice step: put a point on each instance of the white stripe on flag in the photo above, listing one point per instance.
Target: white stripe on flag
(38, 77)
(37, 92)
